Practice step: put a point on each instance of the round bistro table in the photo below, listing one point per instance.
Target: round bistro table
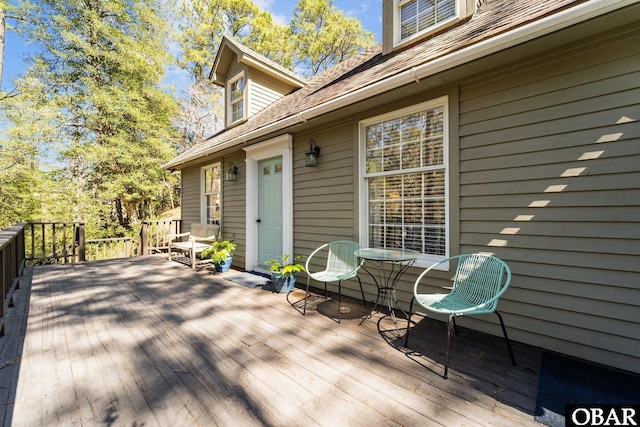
(386, 266)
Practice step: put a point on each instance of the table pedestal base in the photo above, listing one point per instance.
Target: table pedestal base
(387, 274)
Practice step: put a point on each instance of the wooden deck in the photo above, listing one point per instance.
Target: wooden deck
(145, 341)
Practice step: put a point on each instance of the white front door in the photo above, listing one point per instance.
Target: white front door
(269, 201)
(269, 209)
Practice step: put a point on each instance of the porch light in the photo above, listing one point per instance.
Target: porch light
(311, 156)
(232, 173)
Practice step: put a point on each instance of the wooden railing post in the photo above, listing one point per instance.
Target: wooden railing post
(21, 255)
(81, 243)
(144, 250)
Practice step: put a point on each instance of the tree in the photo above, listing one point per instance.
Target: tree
(270, 39)
(324, 36)
(27, 128)
(102, 63)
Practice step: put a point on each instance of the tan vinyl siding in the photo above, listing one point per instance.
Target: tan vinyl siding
(233, 208)
(263, 91)
(233, 202)
(324, 207)
(190, 196)
(549, 181)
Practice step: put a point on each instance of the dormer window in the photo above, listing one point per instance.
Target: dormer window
(251, 81)
(237, 98)
(419, 15)
(408, 21)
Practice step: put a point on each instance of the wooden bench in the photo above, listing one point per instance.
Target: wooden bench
(199, 238)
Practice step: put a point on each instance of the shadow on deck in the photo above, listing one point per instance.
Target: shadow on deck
(145, 341)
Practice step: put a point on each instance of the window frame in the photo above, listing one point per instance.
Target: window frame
(230, 101)
(204, 194)
(424, 260)
(397, 24)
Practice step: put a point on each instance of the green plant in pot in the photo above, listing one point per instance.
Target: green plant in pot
(283, 272)
(221, 254)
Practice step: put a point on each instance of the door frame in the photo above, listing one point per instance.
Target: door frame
(279, 146)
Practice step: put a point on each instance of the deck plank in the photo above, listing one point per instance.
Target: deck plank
(145, 341)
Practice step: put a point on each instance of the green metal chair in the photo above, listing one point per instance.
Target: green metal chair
(479, 282)
(342, 264)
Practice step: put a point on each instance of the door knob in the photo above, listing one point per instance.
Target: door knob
(259, 221)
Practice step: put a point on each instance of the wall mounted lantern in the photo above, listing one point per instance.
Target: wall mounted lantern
(311, 156)
(232, 173)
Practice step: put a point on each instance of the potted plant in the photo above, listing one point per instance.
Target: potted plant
(220, 254)
(283, 272)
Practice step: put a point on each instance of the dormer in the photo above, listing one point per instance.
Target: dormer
(251, 81)
(406, 22)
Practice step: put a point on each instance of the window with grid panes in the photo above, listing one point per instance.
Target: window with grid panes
(211, 194)
(418, 15)
(237, 98)
(405, 174)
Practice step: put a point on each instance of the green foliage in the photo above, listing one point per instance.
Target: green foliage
(270, 39)
(324, 36)
(219, 251)
(284, 267)
(96, 78)
(27, 188)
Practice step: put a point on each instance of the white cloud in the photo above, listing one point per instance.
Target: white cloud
(264, 4)
(269, 6)
(280, 19)
(364, 7)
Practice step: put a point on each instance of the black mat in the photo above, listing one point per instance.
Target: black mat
(568, 381)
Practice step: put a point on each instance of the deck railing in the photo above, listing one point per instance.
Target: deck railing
(154, 235)
(54, 242)
(12, 262)
(116, 247)
(64, 242)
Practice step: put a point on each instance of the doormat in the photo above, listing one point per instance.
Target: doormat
(248, 279)
(567, 381)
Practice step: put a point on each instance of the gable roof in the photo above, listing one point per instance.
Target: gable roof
(231, 50)
(497, 25)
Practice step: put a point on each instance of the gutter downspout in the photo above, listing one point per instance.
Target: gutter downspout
(566, 18)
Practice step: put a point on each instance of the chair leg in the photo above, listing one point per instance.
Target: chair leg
(339, 301)
(306, 297)
(504, 331)
(446, 356)
(362, 292)
(406, 337)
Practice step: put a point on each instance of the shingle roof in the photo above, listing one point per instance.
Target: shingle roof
(493, 17)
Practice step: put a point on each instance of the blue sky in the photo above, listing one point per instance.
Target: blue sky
(369, 12)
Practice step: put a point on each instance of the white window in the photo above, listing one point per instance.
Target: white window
(404, 176)
(237, 98)
(419, 15)
(211, 194)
